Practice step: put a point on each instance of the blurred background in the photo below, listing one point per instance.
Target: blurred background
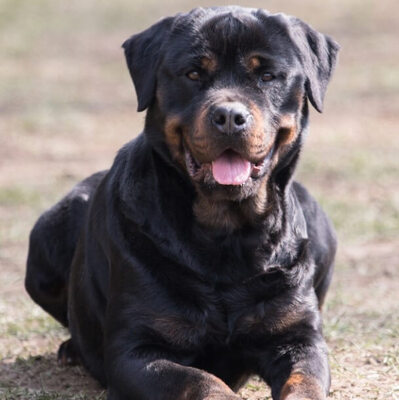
(67, 105)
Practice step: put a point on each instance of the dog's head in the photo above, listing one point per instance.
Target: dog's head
(227, 88)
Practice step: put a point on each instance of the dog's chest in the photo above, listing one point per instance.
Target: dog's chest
(225, 314)
(240, 296)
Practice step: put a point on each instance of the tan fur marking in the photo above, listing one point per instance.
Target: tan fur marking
(175, 329)
(208, 64)
(302, 387)
(200, 140)
(257, 206)
(257, 134)
(287, 132)
(254, 62)
(174, 139)
(276, 321)
(230, 216)
(217, 215)
(287, 120)
(295, 379)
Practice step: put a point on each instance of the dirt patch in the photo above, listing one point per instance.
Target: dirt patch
(41, 373)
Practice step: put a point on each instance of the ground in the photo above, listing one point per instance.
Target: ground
(67, 105)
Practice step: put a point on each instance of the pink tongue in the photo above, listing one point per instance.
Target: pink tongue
(231, 169)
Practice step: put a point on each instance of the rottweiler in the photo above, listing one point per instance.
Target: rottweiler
(196, 260)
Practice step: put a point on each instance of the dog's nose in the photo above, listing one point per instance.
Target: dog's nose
(230, 118)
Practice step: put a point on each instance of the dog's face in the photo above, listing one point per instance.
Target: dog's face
(227, 88)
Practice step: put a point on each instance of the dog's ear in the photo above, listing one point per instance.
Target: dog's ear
(142, 52)
(318, 54)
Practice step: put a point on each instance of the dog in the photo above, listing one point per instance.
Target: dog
(197, 260)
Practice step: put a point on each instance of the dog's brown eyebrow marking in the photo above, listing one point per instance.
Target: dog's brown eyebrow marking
(208, 63)
(254, 62)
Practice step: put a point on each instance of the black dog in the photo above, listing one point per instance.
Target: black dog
(196, 261)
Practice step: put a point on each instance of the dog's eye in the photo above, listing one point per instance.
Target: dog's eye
(193, 75)
(267, 77)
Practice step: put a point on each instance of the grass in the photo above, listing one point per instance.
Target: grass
(67, 105)
(12, 394)
(28, 323)
(17, 196)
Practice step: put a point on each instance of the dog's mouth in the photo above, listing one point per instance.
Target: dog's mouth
(229, 168)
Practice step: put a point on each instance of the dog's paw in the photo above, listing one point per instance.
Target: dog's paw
(67, 355)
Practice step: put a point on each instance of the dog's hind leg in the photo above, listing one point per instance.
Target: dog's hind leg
(52, 245)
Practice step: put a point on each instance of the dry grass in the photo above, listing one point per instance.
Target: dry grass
(67, 105)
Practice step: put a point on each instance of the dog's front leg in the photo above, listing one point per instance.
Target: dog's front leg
(297, 369)
(133, 378)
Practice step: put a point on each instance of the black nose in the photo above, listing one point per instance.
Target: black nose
(230, 118)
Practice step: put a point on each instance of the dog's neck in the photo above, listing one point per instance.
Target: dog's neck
(228, 216)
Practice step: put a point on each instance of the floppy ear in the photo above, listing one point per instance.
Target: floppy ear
(142, 52)
(318, 53)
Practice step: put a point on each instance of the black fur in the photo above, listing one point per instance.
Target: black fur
(159, 303)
